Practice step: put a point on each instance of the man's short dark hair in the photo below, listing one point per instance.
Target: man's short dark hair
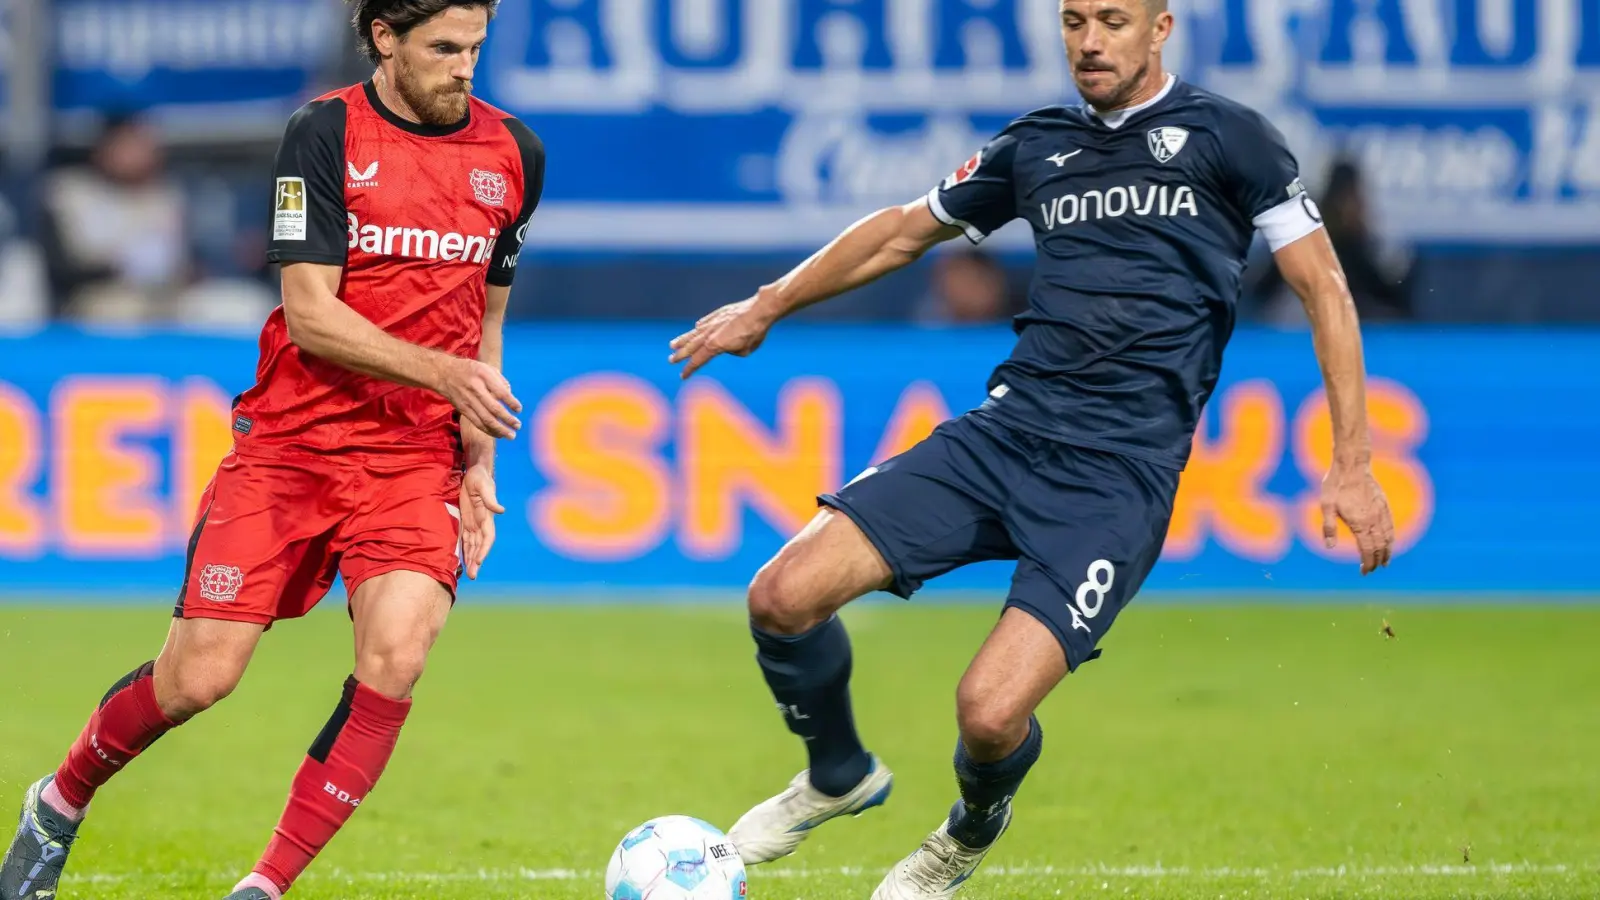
(402, 16)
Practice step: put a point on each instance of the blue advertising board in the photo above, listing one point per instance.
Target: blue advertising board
(769, 124)
(7, 31)
(766, 125)
(627, 478)
(229, 60)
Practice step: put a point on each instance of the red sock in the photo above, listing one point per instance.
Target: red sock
(340, 769)
(127, 721)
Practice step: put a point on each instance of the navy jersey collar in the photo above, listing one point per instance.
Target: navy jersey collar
(1119, 117)
(416, 128)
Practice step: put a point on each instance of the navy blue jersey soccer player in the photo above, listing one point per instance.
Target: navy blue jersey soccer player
(1143, 203)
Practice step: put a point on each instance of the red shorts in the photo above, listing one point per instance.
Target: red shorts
(271, 533)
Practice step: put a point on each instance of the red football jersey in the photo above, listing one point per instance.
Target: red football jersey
(422, 219)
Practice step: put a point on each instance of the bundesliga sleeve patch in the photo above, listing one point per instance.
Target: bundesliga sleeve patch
(289, 210)
(967, 170)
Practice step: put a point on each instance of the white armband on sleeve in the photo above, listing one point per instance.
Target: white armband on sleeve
(936, 206)
(1289, 221)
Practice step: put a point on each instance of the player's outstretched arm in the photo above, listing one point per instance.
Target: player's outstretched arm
(323, 325)
(1349, 492)
(887, 240)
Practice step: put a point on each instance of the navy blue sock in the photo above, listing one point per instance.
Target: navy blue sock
(809, 675)
(987, 788)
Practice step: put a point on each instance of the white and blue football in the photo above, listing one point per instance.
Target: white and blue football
(676, 858)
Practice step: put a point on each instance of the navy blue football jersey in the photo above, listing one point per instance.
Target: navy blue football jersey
(1142, 220)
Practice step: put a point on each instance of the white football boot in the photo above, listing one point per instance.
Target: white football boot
(937, 869)
(774, 828)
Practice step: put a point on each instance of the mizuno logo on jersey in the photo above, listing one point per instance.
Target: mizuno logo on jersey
(419, 243)
(1149, 200)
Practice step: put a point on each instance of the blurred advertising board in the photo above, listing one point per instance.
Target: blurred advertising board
(232, 66)
(6, 38)
(713, 125)
(625, 477)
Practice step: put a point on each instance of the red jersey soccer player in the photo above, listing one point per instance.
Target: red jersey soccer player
(366, 446)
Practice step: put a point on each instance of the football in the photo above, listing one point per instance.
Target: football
(676, 858)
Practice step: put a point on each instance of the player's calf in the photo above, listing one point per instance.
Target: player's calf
(341, 768)
(803, 648)
(128, 720)
(398, 616)
(987, 786)
(804, 653)
(1018, 666)
(809, 675)
(1020, 663)
(990, 768)
(200, 664)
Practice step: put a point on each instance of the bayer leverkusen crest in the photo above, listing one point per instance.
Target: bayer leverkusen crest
(1167, 141)
(489, 187)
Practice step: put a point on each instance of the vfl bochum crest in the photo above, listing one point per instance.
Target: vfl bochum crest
(1167, 141)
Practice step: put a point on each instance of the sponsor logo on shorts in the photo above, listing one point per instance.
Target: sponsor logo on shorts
(221, 584)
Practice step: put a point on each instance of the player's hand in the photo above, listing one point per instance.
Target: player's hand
(736, 329)
(478, 509)
(1350, 494)
(482, 395)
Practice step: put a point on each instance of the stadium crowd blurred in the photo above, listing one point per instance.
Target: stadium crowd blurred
(120, 224)
(128, 231)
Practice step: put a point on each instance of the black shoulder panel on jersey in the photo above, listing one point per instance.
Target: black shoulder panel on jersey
(308, 209)
(506, 250)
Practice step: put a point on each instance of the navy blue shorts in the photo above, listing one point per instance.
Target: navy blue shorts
(1085, 526)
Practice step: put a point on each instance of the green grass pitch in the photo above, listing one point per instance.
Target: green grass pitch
(1246, 751)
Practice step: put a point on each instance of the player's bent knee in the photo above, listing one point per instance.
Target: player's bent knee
(196, 687)
(201, 664)
(991, 723)
(826, 566)
(392, 671)
(781, 601)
